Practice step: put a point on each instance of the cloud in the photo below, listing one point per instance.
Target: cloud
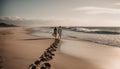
(14, 18)
(19, 21)
(74, 21)
(116, 3)
(98, 10)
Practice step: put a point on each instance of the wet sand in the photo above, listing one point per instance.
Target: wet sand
(101, 56)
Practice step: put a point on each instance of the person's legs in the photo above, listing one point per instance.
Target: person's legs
(60, 35)
(55, 35)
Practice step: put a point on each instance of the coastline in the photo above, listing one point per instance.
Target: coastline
(19, 49)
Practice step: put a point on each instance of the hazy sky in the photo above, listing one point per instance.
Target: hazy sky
(83, 12)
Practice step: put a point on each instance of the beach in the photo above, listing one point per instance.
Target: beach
(19, 49)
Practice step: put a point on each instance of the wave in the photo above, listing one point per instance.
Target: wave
(96, 30)
(110, 40)
(75, 33)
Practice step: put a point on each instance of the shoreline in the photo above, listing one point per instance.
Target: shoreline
(107, 57)
(80, 36)
(20, 49)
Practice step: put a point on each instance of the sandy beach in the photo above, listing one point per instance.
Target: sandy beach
(19, 49)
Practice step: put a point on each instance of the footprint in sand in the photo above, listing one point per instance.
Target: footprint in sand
(1, 67)
(46, 56)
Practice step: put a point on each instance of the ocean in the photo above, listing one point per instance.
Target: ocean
(102, 35)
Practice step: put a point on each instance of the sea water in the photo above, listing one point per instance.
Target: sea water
(102, 35)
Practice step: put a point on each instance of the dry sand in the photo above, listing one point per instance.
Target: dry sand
(18, 50)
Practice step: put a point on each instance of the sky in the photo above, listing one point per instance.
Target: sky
(73, 12)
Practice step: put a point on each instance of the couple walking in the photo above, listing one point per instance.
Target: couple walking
(57, 32)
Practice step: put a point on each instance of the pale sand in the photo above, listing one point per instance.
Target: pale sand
(19, 49)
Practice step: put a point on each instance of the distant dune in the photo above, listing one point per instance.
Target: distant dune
(7, 25)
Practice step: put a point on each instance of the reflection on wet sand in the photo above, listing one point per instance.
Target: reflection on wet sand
(103, 56)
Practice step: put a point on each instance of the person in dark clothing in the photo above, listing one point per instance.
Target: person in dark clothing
(55, 32)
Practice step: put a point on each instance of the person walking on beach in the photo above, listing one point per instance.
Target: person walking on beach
(55, 32)
(60, 32)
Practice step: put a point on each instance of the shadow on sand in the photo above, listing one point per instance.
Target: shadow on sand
(38, 39)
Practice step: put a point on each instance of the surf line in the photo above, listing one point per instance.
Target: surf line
(42, 62)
